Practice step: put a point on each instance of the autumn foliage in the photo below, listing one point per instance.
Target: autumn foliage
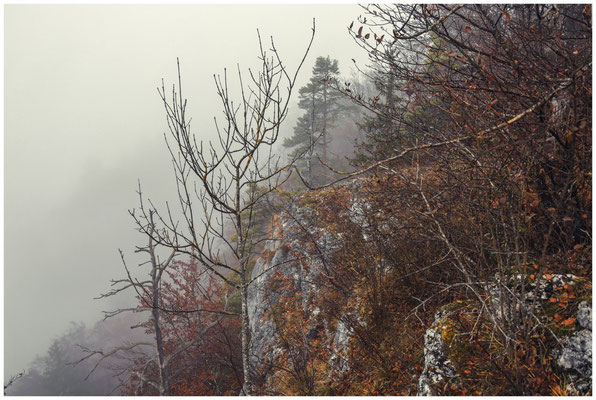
(484, 193)
(202, 346)
(473, 191)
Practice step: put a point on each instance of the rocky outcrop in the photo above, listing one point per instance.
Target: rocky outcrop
(437, 367)
(262, 329)
(301, 252)
(575, 355)
(338, 361)
(584, 315)
(505, 296)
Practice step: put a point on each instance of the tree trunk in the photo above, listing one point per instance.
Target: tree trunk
(241, 254)
(325, 116)
(311, 143)
(247, 385)
(164, 389)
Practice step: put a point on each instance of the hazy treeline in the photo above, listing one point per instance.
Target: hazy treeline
(56, 373)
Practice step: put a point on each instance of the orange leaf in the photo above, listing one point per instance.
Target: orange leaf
(506, 16)
(568, 321)
(548, 277)
(552, 300)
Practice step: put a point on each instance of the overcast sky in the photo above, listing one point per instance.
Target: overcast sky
(83, 122)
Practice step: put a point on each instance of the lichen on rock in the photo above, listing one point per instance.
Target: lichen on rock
(437, 366)
(575, 355)
(298, 252)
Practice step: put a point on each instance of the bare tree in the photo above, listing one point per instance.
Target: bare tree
(148, 292)
(153, 370)
(217, 182)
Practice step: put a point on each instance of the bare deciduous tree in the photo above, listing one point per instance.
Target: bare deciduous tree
(148, 292)
(217, 181)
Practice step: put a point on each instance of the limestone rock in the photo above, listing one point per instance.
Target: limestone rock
(575, 355)
(584, 315)
(289, 255)
(437, 367)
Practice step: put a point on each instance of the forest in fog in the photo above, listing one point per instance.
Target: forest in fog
(419, 224)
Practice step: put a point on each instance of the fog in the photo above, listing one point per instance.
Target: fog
(83, 122)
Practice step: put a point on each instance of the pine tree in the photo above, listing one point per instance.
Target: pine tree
(382, 137)
(397, 99)
(322, 105)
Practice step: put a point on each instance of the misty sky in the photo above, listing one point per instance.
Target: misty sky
(83, 122)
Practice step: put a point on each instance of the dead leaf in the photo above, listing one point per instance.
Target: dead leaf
(506, 16)
(568, 321)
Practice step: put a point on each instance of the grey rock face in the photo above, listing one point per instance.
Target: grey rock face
(359, 210)
(584, 315)
(289, 257)
(577, 353)
(262, 329)
(575, 356)
(505, 296)
(338, 360)
(437, 367)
